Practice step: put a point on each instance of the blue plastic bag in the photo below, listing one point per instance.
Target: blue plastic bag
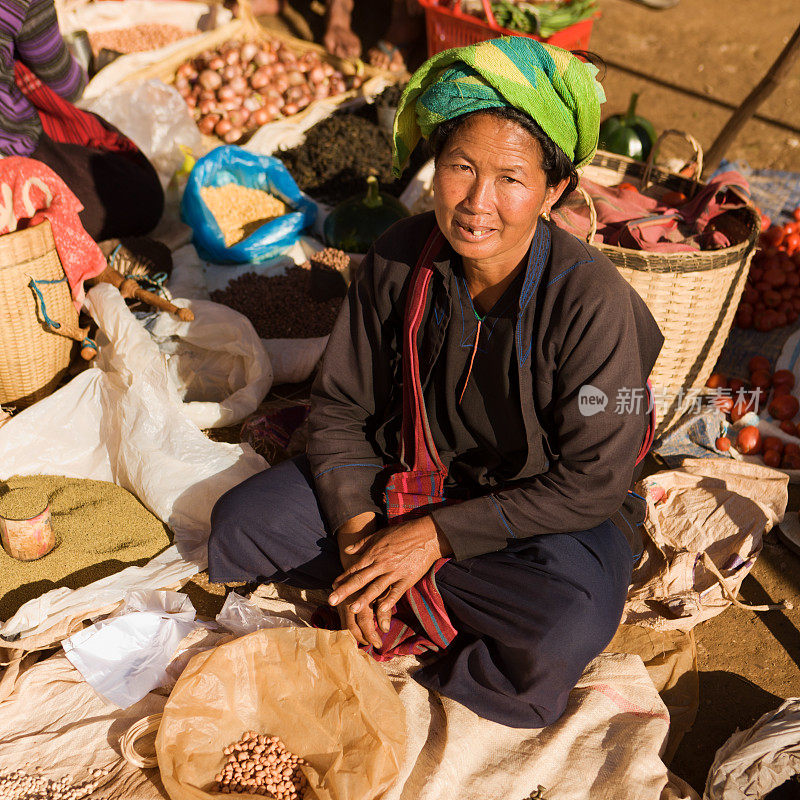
(230, 164)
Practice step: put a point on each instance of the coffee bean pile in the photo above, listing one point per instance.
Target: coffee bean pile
(22, 785)
(262, 765)
(280, 306)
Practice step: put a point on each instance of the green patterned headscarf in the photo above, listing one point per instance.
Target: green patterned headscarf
(552, 86)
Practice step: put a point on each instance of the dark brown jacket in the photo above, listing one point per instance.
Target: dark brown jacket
(579, 324)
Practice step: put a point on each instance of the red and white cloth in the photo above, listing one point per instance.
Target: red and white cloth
(627, 218)
(30, 193)
(66, 123)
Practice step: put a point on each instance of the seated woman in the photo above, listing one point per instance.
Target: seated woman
(462, 462)
(39, 79)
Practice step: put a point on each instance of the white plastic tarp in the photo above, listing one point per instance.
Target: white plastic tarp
(124, 421)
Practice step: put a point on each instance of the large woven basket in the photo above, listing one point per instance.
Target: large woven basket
(692, 296)
(33, 358)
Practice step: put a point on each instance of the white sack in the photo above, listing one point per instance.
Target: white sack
(156, 118)
(294, 360)
(754, 762)
(217, 364)
(123, 421)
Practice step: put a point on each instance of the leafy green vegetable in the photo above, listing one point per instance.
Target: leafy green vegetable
(542, 19)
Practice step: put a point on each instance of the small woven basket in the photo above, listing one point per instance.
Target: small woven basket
(692, 296)
(33, 358)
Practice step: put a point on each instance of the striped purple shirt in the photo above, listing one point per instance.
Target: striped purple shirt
(29, 33)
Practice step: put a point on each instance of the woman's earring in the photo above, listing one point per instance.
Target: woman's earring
(545, 213)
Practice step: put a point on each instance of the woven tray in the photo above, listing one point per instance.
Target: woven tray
(33, 358)
(247, 29)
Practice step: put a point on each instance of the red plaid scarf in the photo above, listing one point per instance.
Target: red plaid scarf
(419, 620)
(64, 122)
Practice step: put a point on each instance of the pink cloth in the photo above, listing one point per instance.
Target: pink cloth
(627, 218)
(30, 193)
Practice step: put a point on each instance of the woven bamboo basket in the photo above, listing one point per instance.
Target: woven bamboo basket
(692, 296)
(33, 358)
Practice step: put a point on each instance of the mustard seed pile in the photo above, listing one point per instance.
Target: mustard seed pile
(22, 785)
(22, 503)
(280, 306)
(100, 527)
(262, 765)
(240, 211)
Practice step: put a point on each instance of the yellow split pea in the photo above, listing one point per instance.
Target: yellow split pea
(239, 211)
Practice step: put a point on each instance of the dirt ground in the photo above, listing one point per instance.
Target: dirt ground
(692, 65)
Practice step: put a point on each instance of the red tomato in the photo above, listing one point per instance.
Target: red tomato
(796, 303)
(765, 222)
(779, 390)
(771, 458)
(787, 426)
(761, 379)
(735, 385)
(789, 228)
(774, 235)
(783, 377)
(717, 381)
(628, 187)
(756, 273)
(740, 408)
(750, 294)
(791, 447)
(775, 277)
(792, 243)
(784, 406)
(781, 320)
(786, 293)
(723, 403)
(792, 316)
(796, 213)
(773, 443)
(757, 363)
(748, 441)
(771, 298)
(764, 321)
(792, 279)
(791, 461)
(723, 444)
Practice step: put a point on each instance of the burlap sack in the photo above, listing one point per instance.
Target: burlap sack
(605, 747)
(702, 538)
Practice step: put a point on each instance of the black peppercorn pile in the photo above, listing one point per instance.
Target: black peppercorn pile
(338, 155)
(280, 306)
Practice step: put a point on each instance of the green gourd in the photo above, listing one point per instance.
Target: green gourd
(628, 134)
(357, 222)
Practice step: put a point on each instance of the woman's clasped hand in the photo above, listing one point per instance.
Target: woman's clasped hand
(380, 566)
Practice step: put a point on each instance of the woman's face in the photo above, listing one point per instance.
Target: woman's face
(489, 190)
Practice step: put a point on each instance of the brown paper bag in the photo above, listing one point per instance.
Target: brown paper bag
(327, 702)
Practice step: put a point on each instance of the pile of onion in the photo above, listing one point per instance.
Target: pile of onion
(243, 85)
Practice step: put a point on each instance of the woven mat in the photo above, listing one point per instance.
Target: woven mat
(776, 193)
